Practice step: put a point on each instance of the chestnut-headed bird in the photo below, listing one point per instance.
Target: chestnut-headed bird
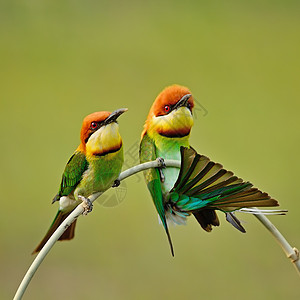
(200, 186)
(93, 167)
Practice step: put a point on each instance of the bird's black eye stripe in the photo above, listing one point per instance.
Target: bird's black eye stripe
(94, 128)
(168, 108)
(97, 125)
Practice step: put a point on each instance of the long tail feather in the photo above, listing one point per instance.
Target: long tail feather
(155, 190)
(67, 235)
(256, 211)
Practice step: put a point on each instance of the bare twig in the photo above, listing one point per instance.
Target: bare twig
(73, 216)
(291, 253)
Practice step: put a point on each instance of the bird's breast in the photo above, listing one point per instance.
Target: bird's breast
(101, 173)
(170, 150)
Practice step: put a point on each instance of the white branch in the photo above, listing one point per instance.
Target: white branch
(73, 216)
(291, 253)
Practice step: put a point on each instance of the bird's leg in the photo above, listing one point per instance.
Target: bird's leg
(161, 162)
(116, 183)
(87, 204)
(161, 165)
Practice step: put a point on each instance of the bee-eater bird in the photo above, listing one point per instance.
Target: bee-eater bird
(200, 186)
(93, 167)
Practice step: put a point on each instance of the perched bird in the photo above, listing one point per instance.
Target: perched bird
(200, 186)
(93, 167)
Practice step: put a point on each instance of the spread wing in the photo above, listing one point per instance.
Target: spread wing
(206, 184)
(203, 186)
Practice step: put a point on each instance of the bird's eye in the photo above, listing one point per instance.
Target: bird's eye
(167, 108)
(94, 125)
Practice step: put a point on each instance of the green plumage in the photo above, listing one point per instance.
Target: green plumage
(93, 168)
(100, 174)
(152, 177)
(82, 176)
(75, 167)
(202, 187)
(203, 184)
(72, 175)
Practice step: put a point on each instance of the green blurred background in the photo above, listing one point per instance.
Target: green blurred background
(61, 60)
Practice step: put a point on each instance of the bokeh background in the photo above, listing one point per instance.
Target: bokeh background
(61, 60)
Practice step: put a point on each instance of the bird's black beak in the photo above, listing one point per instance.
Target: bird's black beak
(183, 101)
(114, 115)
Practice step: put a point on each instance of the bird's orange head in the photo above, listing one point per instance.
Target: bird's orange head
(171, 113)
(100, 133)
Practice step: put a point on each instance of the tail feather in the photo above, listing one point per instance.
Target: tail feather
(256, 211)
(67, 235)
(206, 218)
(156, 193)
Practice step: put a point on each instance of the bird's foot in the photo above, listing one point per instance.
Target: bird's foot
(161, 165)
(161, 162)
(87, 205)
(116, 183)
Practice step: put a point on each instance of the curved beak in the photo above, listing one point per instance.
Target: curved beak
(183, 101)
(115, 115)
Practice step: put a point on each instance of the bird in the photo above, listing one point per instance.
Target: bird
(93, 167)
(200, 186)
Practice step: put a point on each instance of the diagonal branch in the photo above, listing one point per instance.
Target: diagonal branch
(73, 216)
(291, 253)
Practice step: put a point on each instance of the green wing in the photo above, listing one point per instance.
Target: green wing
(152, 178)
(205, 185)
(72, 175)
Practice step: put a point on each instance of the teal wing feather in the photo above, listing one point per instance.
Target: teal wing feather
(152, 178)
(204, 185)
(72, 175)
